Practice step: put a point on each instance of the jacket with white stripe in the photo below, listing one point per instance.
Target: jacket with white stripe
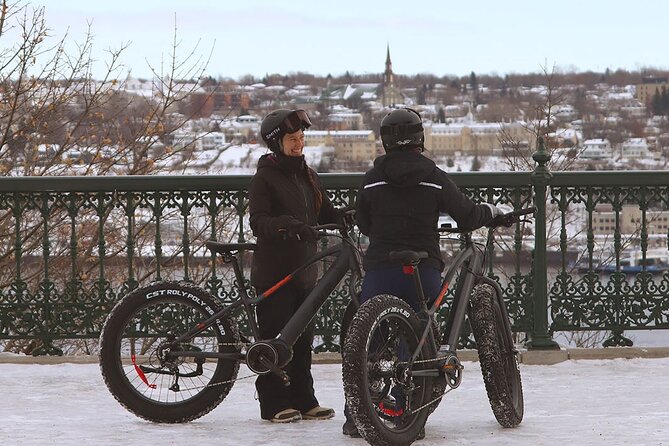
(399, 203)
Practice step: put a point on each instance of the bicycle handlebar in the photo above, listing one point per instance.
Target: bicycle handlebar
(501, 220)
(346, 224)
(327, 226)
(520, 212)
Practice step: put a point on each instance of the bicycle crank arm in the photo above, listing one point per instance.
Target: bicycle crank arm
(273, 368)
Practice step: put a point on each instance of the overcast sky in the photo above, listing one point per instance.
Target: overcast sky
(441, 37)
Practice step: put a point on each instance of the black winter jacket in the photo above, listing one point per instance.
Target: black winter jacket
(399, 203)
(280, 193)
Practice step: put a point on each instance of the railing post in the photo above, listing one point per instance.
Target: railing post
(540, 339)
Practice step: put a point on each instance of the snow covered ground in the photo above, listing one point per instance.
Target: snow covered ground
(588, 402)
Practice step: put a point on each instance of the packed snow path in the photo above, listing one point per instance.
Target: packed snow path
(588, 402)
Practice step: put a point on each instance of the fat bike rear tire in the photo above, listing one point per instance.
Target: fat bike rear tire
(135, 362)
(380, 340)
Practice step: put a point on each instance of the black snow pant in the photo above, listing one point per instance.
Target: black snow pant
(273, 313)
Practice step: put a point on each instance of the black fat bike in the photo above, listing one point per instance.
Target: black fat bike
(395, 370)
(170, 351)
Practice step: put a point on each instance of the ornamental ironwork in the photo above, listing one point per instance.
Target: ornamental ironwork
(73, 246)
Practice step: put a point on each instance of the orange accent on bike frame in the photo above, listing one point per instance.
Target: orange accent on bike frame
(278, 285)
(442, 293)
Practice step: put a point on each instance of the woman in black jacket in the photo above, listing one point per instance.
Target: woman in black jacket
(286, 199)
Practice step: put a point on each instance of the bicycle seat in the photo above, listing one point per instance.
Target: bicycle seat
(407, 256)
(223, 248)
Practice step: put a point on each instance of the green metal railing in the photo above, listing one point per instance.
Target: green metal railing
(603, 296)
(73, 246)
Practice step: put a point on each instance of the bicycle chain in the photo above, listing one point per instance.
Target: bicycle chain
(241, 344)
(220, 383)
(423, 361)
(448, 389)
(233, 344)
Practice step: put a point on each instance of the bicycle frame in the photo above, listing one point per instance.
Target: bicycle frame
(346, 260)
(469, 263)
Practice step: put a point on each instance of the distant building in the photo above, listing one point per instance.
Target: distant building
(197, 141)
(473, 137)
(341, 94)
(596, 149)
(351, 145)
(648, 86)
(391, 93)
(635, 148)
(345, 120)
(629, 220)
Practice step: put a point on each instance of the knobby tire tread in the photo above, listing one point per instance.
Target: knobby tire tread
(354, 364)
(499, 365)
(112, 371)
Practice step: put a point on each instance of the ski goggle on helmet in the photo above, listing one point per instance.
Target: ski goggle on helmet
(280, 122)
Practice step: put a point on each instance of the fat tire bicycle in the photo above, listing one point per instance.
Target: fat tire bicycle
(170, 352)
(395, 370)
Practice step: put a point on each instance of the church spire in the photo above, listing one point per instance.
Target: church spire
(390, 93)
(388, 76)
(389, 64)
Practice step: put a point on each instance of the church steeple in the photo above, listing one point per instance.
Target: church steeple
(388, 76)
(391, 94)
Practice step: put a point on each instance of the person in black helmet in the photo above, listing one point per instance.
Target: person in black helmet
(398, 207)
(285, 200)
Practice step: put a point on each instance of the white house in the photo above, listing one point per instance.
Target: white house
(197, 141)
(634, 148)
(596, 149)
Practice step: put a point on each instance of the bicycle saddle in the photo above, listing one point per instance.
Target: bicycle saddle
(407, 256)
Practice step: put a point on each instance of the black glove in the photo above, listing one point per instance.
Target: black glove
(302, 231)
(502, 220)
(281, 223)
(497, 217)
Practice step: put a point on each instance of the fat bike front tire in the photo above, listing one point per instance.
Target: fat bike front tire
(497, 356)
(380, 340)
(135, 361)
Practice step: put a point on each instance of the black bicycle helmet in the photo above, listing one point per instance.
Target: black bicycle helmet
(402, 128)
(280, 122)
